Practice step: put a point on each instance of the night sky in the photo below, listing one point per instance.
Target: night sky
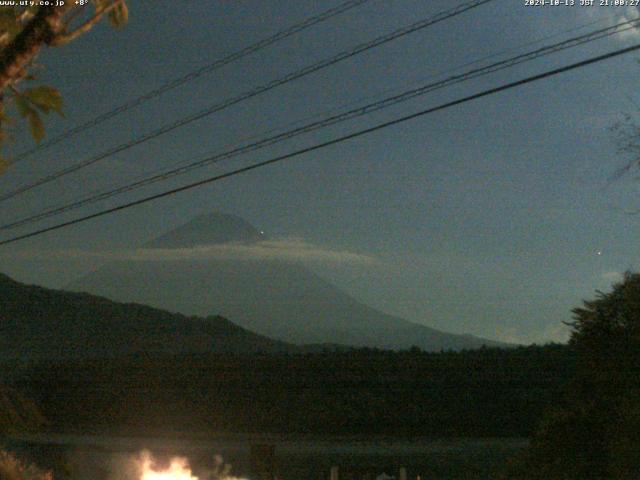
(494, 218)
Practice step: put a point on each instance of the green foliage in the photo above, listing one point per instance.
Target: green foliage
(31, 103)
(119, 16)
(45, 99)
(10, 24)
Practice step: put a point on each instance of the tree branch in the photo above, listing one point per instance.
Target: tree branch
(40, 31)
(66, 37)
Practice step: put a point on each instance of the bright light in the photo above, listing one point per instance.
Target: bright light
(178, 470)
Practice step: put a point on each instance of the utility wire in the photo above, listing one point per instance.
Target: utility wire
(266, 42)
(332, 120)
(318, 146)
(251, 93)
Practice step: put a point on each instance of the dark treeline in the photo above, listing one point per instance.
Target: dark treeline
(486, 392)
(592, 432)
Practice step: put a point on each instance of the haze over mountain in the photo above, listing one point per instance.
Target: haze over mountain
(39, 323)
(221, 265)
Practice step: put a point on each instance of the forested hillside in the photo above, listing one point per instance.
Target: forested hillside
(17, 413)
(488, 392)
(42, 324)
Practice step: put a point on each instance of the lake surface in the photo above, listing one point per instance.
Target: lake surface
(296, 458)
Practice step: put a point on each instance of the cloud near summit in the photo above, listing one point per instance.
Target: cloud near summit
(293, 249)
(290, 249)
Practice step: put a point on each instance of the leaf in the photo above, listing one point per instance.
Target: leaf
(23, 106)
(9, 21)
(4, 165)
(119, 16)
(36, 126)
(35, 122)
(45, 98)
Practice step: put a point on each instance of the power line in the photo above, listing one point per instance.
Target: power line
(266, 42)
(334, 119)
(252, 93)
(598, 34)
(334, 141)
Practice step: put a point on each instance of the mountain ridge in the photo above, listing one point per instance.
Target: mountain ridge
(41, 323)
(202, 230)
(275, 297)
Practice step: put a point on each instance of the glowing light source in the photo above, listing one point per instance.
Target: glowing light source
(178, 470)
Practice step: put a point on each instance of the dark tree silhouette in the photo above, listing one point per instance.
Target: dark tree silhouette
(593, 433)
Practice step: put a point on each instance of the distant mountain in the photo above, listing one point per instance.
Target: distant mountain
(38, 323)
(210, 229)
(273, 297)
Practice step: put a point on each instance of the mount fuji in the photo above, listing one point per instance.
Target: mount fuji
(267, 294)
